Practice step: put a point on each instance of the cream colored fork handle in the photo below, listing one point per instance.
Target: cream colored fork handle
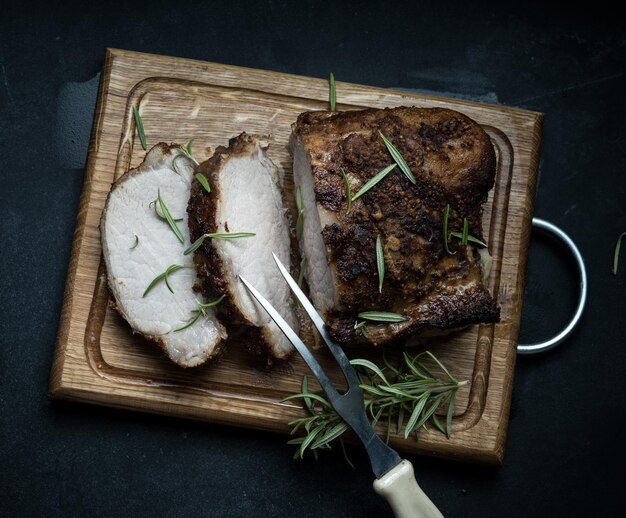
(403, 493)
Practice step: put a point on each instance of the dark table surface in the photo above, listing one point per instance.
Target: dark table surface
(565, 442)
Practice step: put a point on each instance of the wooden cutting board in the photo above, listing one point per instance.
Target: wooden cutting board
(99, 360)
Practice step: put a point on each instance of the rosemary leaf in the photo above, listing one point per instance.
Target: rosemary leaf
(361, 327)
(446, 215)
(227, 235)
(300, 220)
(203, 181)
(415, 415)
(395, 154)
(186, 151)
(212, 303)
(359, 362)
(139, 125)
(347, 185)
(465, 235)
(164, 276)
(191, 322)
(618, 245)
(373, 181)
(470, 238)
(332, 92)
(154, 204)
(169, 218)
(135, 243)
(380, 263)
(382, 316)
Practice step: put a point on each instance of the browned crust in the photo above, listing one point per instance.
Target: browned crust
(454, 164)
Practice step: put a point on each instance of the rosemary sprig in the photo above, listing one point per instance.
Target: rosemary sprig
(187, 151)
(347, 185)
(139, 125)
(464, 236)
(618, 245)
(226, 235)
(446, 215)
(380, 263)
(164, 276)
(200, 311)
(395, 154)
(332, 92)
(203, 181)
(373, 181)
(407, 395)
(168, 217)
(300, 219)
(135, 243)
(382, 316)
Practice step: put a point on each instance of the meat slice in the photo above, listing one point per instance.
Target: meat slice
(245, 197)
(138, 245)
(453, 162)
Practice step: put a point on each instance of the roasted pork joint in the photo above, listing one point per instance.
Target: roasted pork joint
(245, 200)
(451, 163)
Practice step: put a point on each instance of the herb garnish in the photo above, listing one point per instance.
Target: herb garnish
(227, 235)
(360, 326)
(395, 154)
(139, 125)
(382, 316)
(347, 185)
(380, 263)
(203, 181)
(200, 311)
(136, 243)
(464, 236)
(168, 217)
(300, 220)
(186, 151)
(164, 276)
(618, 245)
(410, 393)
(301, 272)
(373, 181)
(332, 92)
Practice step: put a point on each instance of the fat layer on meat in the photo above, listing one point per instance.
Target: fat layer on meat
(138, 245)
(245, 197)
(453, 162)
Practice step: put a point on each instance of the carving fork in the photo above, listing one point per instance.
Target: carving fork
(395, 479)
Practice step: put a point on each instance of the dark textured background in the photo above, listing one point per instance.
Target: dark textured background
(565, 442)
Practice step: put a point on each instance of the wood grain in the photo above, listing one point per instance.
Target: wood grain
(99, 360)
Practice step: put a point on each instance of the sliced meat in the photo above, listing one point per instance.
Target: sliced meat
(138, 245)
(453, 162)
(245, 197)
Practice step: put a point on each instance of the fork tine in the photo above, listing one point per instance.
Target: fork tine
(310, 360)
(348, 371)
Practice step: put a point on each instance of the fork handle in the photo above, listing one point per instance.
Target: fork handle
(403, 493)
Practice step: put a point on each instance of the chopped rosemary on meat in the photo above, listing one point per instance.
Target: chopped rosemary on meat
(373, 181)
(186, 151)
(360, 327)
(135, 243)
(200, 311)
(382, 316)
(618, 245)
(168, 217)
(154, 205)
(300, 209)
(446, 215)
(203, 181)
(332, 92)
(395, 154)
(464, 236)
(347, 185)
(164, 276)
(380, 263)
(404, 397)
(227, 235)
(139, 125)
